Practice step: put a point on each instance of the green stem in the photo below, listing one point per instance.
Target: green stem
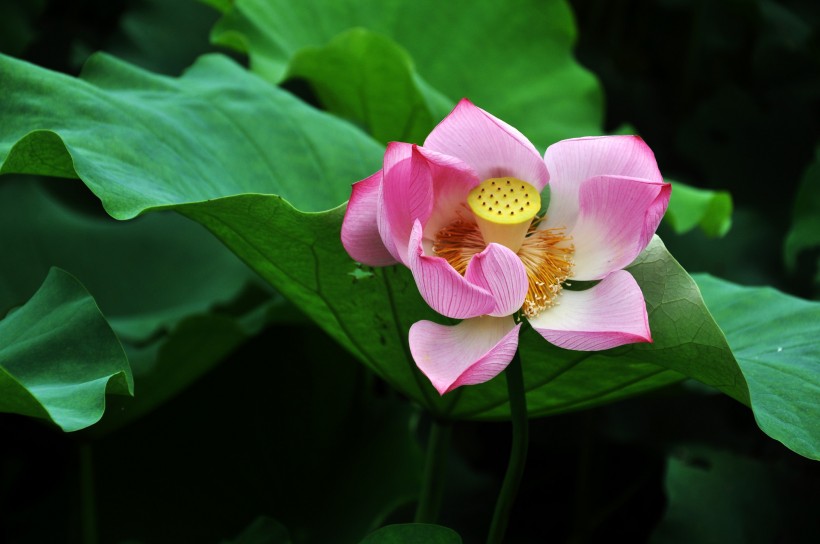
(87, 503)
(435, 469)
(518, 455)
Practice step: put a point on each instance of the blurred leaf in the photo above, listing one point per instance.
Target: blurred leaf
(722, 497)
(805, 231)
(513, 58)
(58, 356)
(263, 530)
(413, 533)
(300, 253)
(17, 29)
(691, 207)
(222, 6)
(749, 254)
(717, 497)
(146, 275)
(368, 79)
(152, 37)
(774, 339)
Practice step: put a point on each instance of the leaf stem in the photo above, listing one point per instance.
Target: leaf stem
(518, 454)
(435, 465)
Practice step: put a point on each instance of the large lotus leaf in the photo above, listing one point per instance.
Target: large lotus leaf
(299, 253)
(58, 356)
(513, 58)
(141, 141)
(774, 339)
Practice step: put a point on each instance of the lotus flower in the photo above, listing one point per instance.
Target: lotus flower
(463, 213)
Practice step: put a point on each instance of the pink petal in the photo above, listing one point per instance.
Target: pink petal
(489, 145)
(616, 220)
(610, 314)
(501, 272)
(406, 196)
(360, 232)
(571, 162)
(386, 235)
(444, 289)
(654, 214)
(453, 179)
(474, 351)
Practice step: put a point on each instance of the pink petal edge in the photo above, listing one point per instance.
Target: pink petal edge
(360, 232)
(489, 145)
(471, 352)
(406, 196)
(610, 314)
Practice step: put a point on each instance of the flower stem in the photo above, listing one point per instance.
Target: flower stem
(432, 490)
(88, 502)
(518, 455)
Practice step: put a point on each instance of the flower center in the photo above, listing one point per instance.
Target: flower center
(545, 253)
(504, 209)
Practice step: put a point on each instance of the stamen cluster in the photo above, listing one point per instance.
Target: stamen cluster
(545, 253)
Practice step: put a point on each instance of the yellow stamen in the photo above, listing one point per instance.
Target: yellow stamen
(547, 258)
(458, 242)
(504, 209)
(545, 253)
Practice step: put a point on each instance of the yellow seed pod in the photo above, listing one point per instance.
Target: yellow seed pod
(504, 208)
(507, 201)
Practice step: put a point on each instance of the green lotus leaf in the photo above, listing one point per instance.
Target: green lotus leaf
(59, 356)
